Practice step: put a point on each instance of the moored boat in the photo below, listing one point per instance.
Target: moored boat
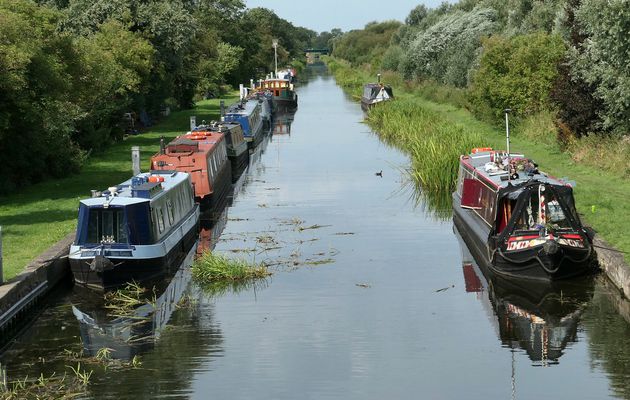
(134, 231)
(248, 113)
(284, 95)
(202, 154)
(237, 151)
(520, 221)
(374, 93)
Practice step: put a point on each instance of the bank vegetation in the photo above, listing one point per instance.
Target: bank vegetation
(560, 66)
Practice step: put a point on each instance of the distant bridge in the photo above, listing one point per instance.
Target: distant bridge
(316, 51)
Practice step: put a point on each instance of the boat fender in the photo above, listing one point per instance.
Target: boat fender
(550, 247)
(101, 263)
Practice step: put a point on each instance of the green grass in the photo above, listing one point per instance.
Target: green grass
(435, 133)
(214, 267)
(38, 216)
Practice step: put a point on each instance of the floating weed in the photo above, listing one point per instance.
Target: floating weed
(124, 301)
(213, 267)
(319, 262)
(187, 301)
(316, 226)
(52, 387)
(265, 239)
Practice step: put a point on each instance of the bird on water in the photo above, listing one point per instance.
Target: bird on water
(380, 173)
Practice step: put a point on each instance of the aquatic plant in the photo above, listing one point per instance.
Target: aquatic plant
(124, 301)
(433, 143)
(213, 267)
(57, 387)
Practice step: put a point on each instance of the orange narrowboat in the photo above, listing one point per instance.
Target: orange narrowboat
(204, 156)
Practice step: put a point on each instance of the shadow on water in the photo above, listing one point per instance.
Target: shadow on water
(539, 318)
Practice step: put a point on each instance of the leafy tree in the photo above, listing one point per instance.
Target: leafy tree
(366, 45)
(602, 59)
(516, 73)
(447, 50)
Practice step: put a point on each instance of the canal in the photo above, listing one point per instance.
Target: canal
(372, 296)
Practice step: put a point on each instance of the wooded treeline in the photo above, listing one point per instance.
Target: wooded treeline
(565, 56)
(71, 69)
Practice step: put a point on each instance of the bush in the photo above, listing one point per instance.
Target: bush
(447, 50)
(516, 73)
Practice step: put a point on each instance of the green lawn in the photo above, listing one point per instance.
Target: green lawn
(35, 218)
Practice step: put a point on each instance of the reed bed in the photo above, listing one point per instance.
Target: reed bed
(433, 143)
(214, 267)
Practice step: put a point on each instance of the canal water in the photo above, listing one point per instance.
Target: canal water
(371, 296)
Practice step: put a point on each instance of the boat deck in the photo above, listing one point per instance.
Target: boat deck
(488, 165)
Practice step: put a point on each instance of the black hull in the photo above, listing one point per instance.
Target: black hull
(221, 188)
(533, 264)
(239, 164)
(132, 270)
(253, 141)
(285, 105)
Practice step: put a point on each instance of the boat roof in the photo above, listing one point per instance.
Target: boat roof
(124, 193)
(242, 108)
(499, 179)
(214, 126)
(376, 85)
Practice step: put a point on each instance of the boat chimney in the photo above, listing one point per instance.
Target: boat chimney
(162, 146)
(378, 77)
(241, 90)
(222, 108)
(193, 122)
(507, 132)
(135, 160)
(251, 84)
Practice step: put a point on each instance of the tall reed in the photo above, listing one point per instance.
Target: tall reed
(433, 143)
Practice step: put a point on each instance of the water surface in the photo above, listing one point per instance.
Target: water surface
(371, 296)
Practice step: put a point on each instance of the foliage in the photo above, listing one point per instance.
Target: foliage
(70, 70)
(433, 143)
(602, 59)
(516, 73)
(448, 49)
(366, 46)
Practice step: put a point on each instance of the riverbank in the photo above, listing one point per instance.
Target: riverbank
(601, 195)
(39, 216)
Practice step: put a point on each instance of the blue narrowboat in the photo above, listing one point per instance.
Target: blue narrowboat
(134, 231)
(248, 113)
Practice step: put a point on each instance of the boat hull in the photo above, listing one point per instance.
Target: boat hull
(239, 163)
(146, 263)
(533, 263)
(284, 104)
(221, 188)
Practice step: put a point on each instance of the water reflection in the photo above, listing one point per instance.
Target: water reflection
(132, 334)
(282, 123)
(536, 317)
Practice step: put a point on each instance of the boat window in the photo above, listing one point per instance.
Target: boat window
(542, 214)
(106, 226)
(170, 211)
(160, 218)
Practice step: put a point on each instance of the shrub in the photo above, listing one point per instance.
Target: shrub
(516, 73)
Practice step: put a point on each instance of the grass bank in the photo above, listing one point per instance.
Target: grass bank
(435, 133)
(40, 215)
